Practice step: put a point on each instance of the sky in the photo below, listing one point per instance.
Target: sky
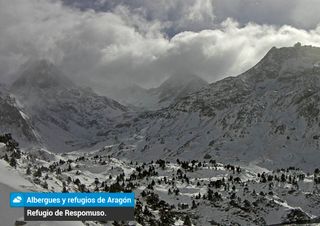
(110, 44)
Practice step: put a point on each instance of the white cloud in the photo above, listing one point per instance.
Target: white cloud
(121, 46)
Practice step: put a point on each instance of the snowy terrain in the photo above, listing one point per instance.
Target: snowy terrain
(55, 107)
(13, 120)
(170, 193)
(269, 114)
(240, 151)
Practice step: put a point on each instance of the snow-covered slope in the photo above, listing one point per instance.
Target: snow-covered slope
(14, 121)
(269, 114)
(169, 193)
(172, 89)
(64, 115)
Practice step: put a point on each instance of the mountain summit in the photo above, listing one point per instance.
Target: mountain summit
(285, 63)
(177, 86)
(64, 115)
(172, 89)
(41, 74)
(269, 114)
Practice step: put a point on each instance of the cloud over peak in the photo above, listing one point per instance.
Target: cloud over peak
(137, 41)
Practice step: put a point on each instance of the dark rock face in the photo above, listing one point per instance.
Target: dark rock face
(269, 113)
(12, 121)
(64, 115)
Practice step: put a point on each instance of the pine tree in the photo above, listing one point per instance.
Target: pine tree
(82, 188)
(28, 172)
(64, 189)
(187, 221)
(210, 194)
(6, 158)
(77, 181)
(45, 185)
(194, 205)
(233, 196)
(58, 171)
(37, 173)
(147, 211)
(13, 162)
(16, 154)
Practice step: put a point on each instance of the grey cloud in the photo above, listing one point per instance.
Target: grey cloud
(174, 15)
(195, 15)
(297, 13)
(115, 48)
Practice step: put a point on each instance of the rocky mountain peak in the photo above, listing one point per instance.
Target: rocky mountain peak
(181, 80)
(179, 85)
(40, 74)
(285, 62)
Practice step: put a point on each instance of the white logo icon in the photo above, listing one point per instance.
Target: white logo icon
(17, 199)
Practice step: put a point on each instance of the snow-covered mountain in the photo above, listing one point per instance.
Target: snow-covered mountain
(64, 115)
(13, 120)
(241, 151)
(172, 89)
(269, 114)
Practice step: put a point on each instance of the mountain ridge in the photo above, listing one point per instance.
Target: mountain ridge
(57, 107)
(274, 121)
(40, 74)
(173, 88)
(268, 114)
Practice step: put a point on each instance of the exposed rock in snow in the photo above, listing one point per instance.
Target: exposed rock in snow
(269, 114)
(172, 89)
(171, 193)
(57, 108)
